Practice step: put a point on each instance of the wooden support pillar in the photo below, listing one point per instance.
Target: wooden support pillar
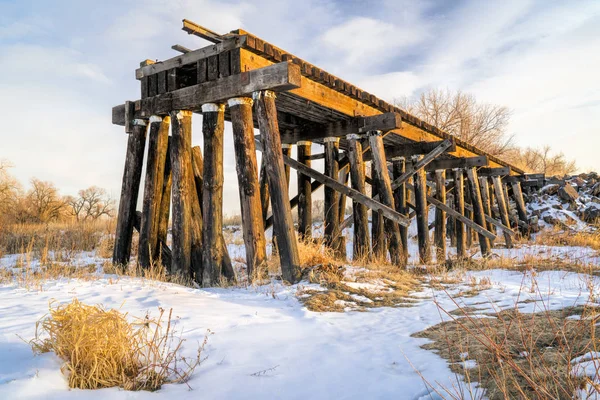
(468, 213)
(487, 203)
(286, 150)
(181, 164)
(132, 175)
(332, 232)
(502, 208)
(386, 196)
(304, 192)
(212, 194)
(280, 199)
(377, 231)
(520, 204)
(440, 217)
(450, 223)
(165, 202)
(198, 169)
(478, 209)
(362, 244)
(422, 211)
(247, 170)
(398, 169)
(459, 206)
(153, 187)
(264, 191)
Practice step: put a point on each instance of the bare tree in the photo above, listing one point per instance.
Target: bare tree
(10, 191)
(482, 125)
(543, 160)
(90, 204)
(43, 202)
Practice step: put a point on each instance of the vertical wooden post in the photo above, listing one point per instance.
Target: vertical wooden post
(198, 168)
(377, 231)
(440, 217)
(487, 206)
(362, 244)
(468, 213)
(332, 217)
(478, 209)
(247, 170)
(399, 168)
(264, 190)
(130, 188)
(197, 183)
(181, 164)
(386, 197)
(165, 201)
(520, 204)
(344, 177)
(153, 186)
(459, 206)
(304, 192)
(502, 208)
(422, 211)
(450, 227)
(212, 195)
(280, 199)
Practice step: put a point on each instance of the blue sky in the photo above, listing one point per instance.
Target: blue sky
(64, 64)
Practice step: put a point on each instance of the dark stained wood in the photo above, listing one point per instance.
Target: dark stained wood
(304, 192)
(459, 207)
(280, 201)
(165, 251)
(458, 163)
(181, 164)
(520, 205)
(468, 214)
(249, 189)
(398, 169)
(386, 196)
(377, 225)
(264, 193)
(332, 233)
(198, 169)
(362, 244)
(502, 208)
(439, 237)
(212, 194)
(411, 149)
(153, 187)
(129, 194)
(501, 171)
(165, 201)
(478, 209)
(485, 200)
(422, 210)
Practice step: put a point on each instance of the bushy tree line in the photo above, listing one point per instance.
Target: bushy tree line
(486, 127)
(41, 201)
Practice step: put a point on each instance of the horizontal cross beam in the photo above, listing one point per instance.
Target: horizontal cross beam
(502, 171)
(411, 149)
(452, 163)
(282, 76)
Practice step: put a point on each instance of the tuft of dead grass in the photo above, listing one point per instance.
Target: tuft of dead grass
(101, 348)
(563, 237)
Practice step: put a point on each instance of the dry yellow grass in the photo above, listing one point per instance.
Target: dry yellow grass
(101, 348)
(561, 237)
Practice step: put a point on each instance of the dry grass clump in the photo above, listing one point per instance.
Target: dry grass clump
(518, 355)
(561, 237)
(101, 348)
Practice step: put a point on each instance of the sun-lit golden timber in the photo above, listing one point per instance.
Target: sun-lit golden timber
(224, 81)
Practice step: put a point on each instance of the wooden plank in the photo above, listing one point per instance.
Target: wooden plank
(132, 175)
(287, 245)
(191, 57)
(411, 149)
(181, 49)
(247, 171)
(162, 82)
(182, 206)
(194, 29)
(361, 243)
(502, 171)
(458, 163)
(384, 190)
(153, 187)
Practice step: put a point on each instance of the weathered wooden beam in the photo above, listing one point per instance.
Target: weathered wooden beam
(439, 237)
(264, 191)
(247, 171)
(398, 169)
(384, 190)
(500, 171)
(422, 210)
(182, 199)
(520, 203)
(153, 187)
(361, 244)
(194, 29)
(318, 156)
(331, 230)
(457, 163)
(411, 149)
(502, 209)
(478, 209)
(485, 200)
(132, 175)
(377, 226)
(459, 214)
(282, 76)
(287, 244)
(191, 57)
(304, 192)
(165, 202)
(181, 49)
(212, 195)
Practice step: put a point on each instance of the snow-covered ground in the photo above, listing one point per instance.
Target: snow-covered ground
(266, 344)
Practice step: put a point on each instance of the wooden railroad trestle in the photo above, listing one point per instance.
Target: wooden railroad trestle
(244, 80)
